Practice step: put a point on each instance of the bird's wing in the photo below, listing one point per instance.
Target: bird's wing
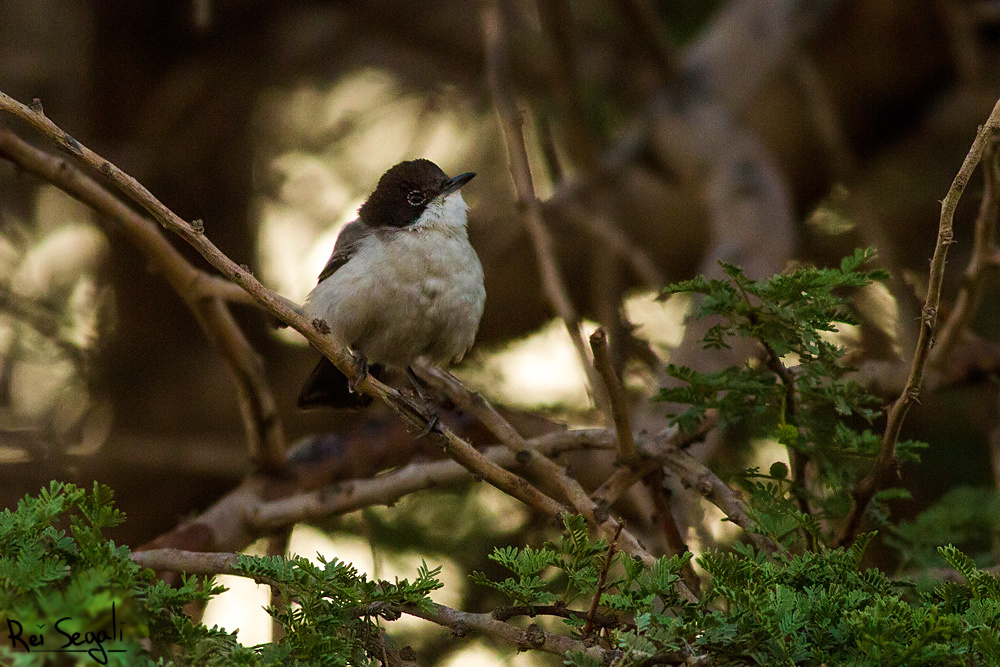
(347, 244)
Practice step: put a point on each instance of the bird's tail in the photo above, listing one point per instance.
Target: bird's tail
(327, 387)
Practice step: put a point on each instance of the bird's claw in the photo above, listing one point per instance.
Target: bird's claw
(362, 364)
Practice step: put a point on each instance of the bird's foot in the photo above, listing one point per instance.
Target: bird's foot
(423, 394)
(362, 366)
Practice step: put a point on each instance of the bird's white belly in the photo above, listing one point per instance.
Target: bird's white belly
(405, 294)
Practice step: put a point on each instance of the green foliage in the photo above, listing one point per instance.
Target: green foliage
(55, 564)
(566, 572)
(967, 517)
(47, 574)
(808, 604)
(818, 608)
(815, 608)
(799, 394)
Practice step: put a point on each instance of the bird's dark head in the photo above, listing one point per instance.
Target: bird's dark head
(405, 191)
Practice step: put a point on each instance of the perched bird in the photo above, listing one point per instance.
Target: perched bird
(403, 282)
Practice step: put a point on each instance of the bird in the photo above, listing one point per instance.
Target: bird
(403, 282)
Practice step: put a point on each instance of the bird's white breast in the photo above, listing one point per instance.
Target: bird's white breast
(407, 292)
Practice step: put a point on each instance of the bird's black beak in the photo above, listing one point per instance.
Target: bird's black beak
(453, 184)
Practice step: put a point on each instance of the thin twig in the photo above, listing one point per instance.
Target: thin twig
(616, 395)
(671, 531)
(797, 458)
(588, 625)
(511, 123)
(886, 462)
(201, 292)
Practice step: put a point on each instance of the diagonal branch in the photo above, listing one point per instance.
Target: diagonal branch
(695, 475)
(460, 622)
(263, 505)
(410, 411)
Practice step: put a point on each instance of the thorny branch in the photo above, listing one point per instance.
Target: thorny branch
(696, 475)
(985, 255)
(886, 462)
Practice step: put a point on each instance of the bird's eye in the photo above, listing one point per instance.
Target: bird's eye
(416, 198)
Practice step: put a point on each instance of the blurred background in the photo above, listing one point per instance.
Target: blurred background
(663, 135)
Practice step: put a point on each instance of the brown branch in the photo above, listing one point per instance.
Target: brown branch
(386, 489)
(191, 562)
(671, 531)
(202, 293)
(695, 475)
(616, 395)
(597, 515)
(497, 74)
(557, 610)
(622, 479)
(886, 462)
(460, 622)
(530, 638)
(985, 255)
(261, 505)
(409, 410)
(797, 458)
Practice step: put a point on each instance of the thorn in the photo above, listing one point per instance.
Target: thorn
(433, 423)
(70, 144)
